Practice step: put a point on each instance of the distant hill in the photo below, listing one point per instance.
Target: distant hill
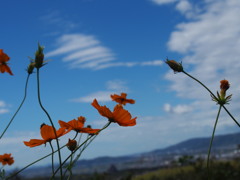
(156, 158)
(197, 145)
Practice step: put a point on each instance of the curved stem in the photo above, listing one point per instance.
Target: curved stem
(40, 103)
(24, 97)
(201, 84)
(213, 134)
(213, 96)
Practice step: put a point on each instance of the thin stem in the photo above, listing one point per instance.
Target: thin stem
(40, 103)
(52, 156)
(34, 163)
(200, 83)
(213, 133)
(24, 97)
(84, 143)
(231, 116)
(213, 96)
(70, 167)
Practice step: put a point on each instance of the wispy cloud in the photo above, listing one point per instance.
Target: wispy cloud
(112, 87)
(179, 109)
(59, 21)
(210, 48)
(161, 2)
(86, 51)
(3, 107)
(183, 6)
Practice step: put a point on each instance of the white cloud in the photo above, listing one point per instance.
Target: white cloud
(72, 42)
(82, 51)
(183, 6)
(209, 44)
(86, 51)
(57, 19)
(160, 2)
(3, 107)
(179, 109)
(3, 111)
(152, 63)
(101, 96)
(117, 85)
(113, 87)
(2, 104)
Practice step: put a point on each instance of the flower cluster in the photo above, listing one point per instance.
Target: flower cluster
(119, 115)
(49, 133)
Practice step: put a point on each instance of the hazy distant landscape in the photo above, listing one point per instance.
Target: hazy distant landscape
(225, 147)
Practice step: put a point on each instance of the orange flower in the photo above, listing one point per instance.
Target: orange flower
(122, 99)
(221, 97)
(6, 159)
(47, 133)
(224, 85)
(77, 125)
(4, 58)
(119, 115)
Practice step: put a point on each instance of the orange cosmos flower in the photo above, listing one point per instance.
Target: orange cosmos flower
(6, 159)
(4, 58)
(77, 125)
(47, 133)
(119, 115)
(122, 99)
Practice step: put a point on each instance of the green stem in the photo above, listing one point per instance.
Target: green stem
(70, 167)
(84, 143)
(213, 133)
(33, 163)
(213, 96)
(36, 161)
(231, 116)
(24, 97)
(40, 103)
(200, 83)
(52, 156)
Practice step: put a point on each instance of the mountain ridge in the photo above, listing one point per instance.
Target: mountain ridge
(152, 159)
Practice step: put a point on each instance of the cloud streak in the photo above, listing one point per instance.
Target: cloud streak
(87, 52)
(3, 107)
(112, 87)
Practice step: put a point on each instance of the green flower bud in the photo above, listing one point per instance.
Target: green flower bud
(39, 56)
(175, 66)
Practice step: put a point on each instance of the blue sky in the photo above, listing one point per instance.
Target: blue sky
(100, 47)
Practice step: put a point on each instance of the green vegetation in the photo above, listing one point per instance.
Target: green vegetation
(224, 170)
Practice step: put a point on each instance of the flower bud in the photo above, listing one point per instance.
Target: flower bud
(72, 144)
(175, 66)
(31, 67)
(39, 56)
(224, 86)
